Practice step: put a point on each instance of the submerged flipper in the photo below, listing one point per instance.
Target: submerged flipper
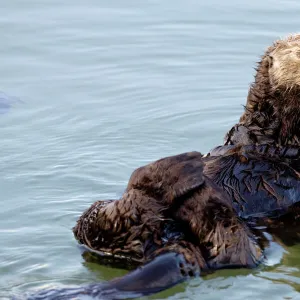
(163, 272)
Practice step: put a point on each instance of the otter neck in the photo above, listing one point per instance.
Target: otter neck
(288, 114)
(272, 115)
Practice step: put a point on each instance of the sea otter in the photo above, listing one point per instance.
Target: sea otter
(189, 214)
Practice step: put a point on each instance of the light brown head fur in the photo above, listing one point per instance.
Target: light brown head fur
(284, 63)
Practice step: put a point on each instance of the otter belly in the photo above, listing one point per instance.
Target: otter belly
(259, 183)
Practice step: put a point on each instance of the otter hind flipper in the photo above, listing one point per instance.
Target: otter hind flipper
(161, 273)
(170, 177)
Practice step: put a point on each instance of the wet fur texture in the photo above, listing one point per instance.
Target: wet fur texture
(211, 197)
(171, 190)
(126, 226)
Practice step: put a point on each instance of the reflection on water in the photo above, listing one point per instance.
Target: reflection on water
(106, 87)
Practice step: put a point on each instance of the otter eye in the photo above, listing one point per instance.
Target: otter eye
(270, 60)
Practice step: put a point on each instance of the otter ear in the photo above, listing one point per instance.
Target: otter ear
(270, 60)
(170, 177)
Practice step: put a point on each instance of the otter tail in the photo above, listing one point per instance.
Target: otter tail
(161, 273)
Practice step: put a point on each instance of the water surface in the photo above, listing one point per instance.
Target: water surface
(107, 86)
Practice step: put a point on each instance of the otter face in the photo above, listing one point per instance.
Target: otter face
(284, 63)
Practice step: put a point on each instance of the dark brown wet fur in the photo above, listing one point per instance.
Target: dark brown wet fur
(238, 182)
(127, 226)
(171, 190)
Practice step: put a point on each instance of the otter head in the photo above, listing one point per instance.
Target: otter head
(284, 63)
(272, 112)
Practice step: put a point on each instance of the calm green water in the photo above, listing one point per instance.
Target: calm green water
(107, 86)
